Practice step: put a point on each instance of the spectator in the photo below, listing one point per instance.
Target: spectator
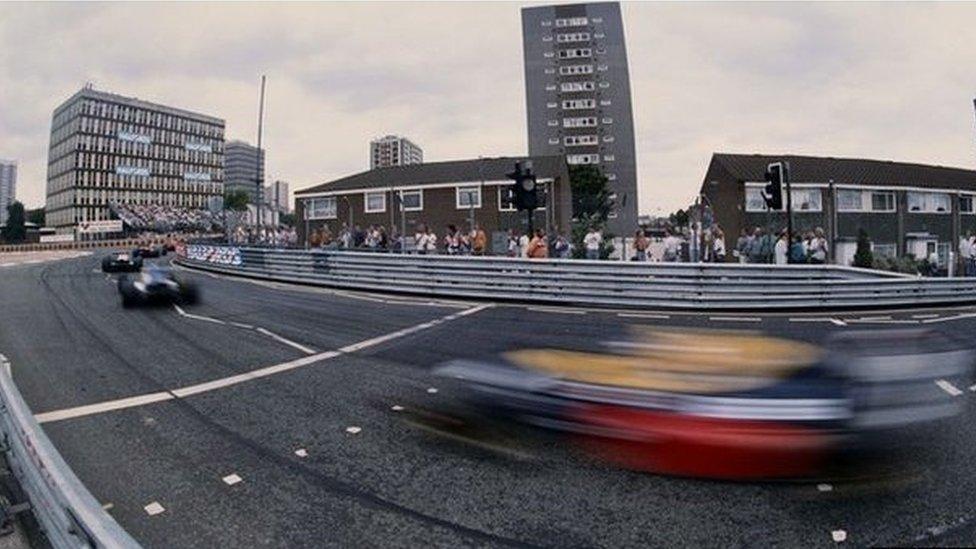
(718, 246)
(421, 239)
(537, 248)
(672, 247)
(513, 245)
(523, 245)
(818, 247)
(798, 252)
(970, 267)
(561, 247)
(756, 251)
(641, 243)
(781, 249)
(479, 241)
(741, 251)
(592, 242)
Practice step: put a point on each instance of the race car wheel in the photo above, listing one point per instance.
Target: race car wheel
(107, 265)
(129, 296)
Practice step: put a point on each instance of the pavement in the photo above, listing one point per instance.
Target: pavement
(270, 415)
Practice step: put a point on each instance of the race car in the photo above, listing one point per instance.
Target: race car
(149, 251)
(156, 285)
(121, 262)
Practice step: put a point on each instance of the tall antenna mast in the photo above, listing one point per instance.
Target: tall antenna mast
(258, 197)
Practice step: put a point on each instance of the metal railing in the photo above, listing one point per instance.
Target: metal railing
(83, 245)
(700, 286)
(66, 511)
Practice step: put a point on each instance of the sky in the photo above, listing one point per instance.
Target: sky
(890, 81)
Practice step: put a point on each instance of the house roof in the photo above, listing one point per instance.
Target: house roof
(815, 169)
(430, 173)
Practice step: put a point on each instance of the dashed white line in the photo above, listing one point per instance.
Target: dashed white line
(232, 479)
(948, 387)
(154, 508)
(825, 487)
(396, 408)
(838, 322)
(839, 536)
(353, 430)
(948, 318)
(972, 388)
(926, 316)
(240, 325)
(881, 321)
(644, 315)
(142, 400)
(288, 342)
(432, 390)
(735, 319)
(301, 452)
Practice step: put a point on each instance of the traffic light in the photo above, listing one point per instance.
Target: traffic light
(524, 193)
(776, 176)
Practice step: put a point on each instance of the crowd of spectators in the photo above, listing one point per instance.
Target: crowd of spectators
(166, 219)
(761, 246)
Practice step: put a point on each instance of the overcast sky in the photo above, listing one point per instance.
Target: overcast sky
(889, 81)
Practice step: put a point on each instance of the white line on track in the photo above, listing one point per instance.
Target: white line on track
(838, 322)
(288, 342)
(972, 388)
(154, 508)
(557, 310)
(735, 319)
(881, 321)
(926, 316)
(197, 317)
(948, 318)
(141, 400)
(643, 315)
(948, 387)
(240, 325)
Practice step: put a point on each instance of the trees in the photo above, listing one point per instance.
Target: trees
(236, 200)
(863, 256)
(15, 232)
(36, 216)
(592, 204)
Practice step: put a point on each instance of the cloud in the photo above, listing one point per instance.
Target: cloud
(867, 79)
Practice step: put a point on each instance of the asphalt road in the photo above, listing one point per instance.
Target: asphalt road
(308, 449)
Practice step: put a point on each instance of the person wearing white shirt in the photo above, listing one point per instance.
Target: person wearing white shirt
(592, 242)
(779, 251)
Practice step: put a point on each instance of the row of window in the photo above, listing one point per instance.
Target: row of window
(853, 200)
(573, 22)
(116, 128)
(465, 197)
(575, 140)
(146, 117)
(564, 38)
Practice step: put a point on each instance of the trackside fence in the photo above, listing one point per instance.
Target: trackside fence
(587, 283)
(67, 512)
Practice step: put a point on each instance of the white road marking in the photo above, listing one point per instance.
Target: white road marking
(810, 319)
(948, 387)
(108, 506)
(557, 310)
(398, 408)
(149, 398)
(643, 315)
(7, 264)
(825, 487)
(154, 508)
(240, 325)
(926, 316)
(353, 430)
(839, 536)
(838, 322)
(289, 342)
(101, 407)
(432, 390)
(232, 479)
(972, 388)
(735, 318)
(885, 317)
(301, 452)
(197, 317)
(948, 318)
(881, 321)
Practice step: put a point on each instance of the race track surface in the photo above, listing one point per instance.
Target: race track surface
(150, 406)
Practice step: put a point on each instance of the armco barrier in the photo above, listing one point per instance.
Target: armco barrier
(49, 246)
(67, 512)
(588, 283)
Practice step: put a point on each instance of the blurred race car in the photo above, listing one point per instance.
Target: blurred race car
(156, 285)
(121, 262)
(727, 405)
(149, 251)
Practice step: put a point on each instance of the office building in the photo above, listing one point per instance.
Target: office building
(905, 209)
(8, 187)
(276, 196)
(462, 193)
(243, 168)
(110, 149)
(393, 150)
(577, 89)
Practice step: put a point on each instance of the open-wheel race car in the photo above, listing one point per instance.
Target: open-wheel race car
(156, 285)
(121, 262)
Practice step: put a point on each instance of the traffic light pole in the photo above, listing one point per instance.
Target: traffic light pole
(789, 222)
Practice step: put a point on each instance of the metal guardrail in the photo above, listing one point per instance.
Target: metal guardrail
(87, 245)
(687, 286)
(67, 512)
